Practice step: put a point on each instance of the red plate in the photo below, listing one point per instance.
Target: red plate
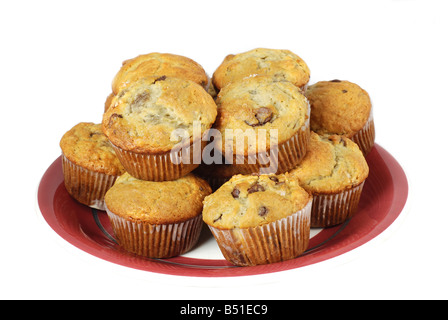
(384, 196)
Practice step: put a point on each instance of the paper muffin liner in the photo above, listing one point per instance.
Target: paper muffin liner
(331, 209)
(86, 186)
(365, 138)
(155, 240)
(157, 167)
(277, 241)
(289, 154)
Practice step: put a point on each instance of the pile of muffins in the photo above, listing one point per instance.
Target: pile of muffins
(140, 164)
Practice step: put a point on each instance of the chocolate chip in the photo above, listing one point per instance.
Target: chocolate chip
(141, 98)
(263, 211)
(263, 115)
(236, 193)
(335, 80)
(274, 178)
(217, 219)
(255, 188)
(160, 79)
(344, 91)
(112, 118)
(252, 124)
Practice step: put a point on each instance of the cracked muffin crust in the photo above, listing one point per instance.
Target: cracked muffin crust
(332, 164)
(276, 63)
(157, 202)
(87, 146)
(157, 64)
(260, 103)
(333, 171)
(338, 107)
(89, 164)
(157, 125)
(143, 116)
(252, 200)
(156, 219)
(259, 219)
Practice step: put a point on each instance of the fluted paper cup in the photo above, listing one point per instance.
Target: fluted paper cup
(277, 241)
(157, 167)
(289, 154)
(365, 138)
(155, 240)
(332, 209)
(86, 186)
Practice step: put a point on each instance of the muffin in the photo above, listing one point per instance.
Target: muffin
(156, 126)
(344, 108)
(157, 64)
(259, 219)
(89, 164)
(156, 219)
(276, 63)
(333, 171)
(274, 117)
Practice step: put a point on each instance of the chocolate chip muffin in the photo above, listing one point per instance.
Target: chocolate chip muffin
(89, 164)
(333, 171)
(151, 124)
(274, 116)
(157, 64)
(276, 63)
(157, 219)
(259, 219)
(344, 108)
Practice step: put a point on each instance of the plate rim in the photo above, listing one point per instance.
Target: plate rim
(397, 175)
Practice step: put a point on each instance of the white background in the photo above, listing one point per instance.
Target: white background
(57, 62)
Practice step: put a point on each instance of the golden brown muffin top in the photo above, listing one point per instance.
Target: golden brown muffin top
(332, 164)
(338, 107)
(157, 64)
(252, 200)
(143, 116)
(276, 63)
(87, 146)
(163, 202)
(260, 103)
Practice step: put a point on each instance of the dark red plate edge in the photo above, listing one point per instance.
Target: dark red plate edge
(162, 266)
(168, 268)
